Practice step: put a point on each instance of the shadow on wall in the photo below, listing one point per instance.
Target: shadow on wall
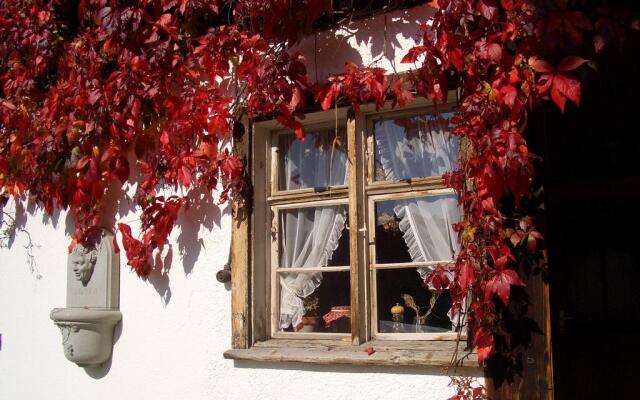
(381, 41)
(203, 212)
(103, 370)
(358, 369)
(119, 206)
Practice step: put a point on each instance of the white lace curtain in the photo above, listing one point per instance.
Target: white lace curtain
(314, 162)
(415, 147)
(309, 235)
(421, 147)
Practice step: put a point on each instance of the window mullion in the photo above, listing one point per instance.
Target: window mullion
(357, 228)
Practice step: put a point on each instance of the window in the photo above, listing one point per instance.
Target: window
(309, 243)
(346, 225)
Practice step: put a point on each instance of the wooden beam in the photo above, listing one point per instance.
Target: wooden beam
(387, 353)
(357, 231)
(240, 259)
(536, 382)
(260, 167)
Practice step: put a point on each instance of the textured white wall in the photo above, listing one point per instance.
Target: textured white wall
(176, 325)
(376, 42)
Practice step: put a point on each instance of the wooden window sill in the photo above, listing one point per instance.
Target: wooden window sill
(436, 353)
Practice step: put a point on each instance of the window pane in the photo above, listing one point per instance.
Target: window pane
(314, 237)
(414, 147)
(416, 229)
(317, 162)
(315, 302)
(404, 287)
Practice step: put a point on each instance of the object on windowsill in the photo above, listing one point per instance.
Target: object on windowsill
(397, 313)
(397, 316)
(335, 314)
(311, 319)
(411, 303)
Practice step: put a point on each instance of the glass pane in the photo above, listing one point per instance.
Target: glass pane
(416, 229)
(406, 306)
(414, 147)
(317, 162)
(315, 302)
(314, 237)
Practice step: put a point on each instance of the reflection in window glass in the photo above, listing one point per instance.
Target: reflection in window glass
(325, 308)
(414, 147)
(416, 229)
(421, 310)
(317, 162)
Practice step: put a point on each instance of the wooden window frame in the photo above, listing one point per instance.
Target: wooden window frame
(389, 190)
(253, 336)
(274, 292)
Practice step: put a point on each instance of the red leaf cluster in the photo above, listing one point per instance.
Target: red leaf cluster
(496, 53)
(361, 85)
(159, 82)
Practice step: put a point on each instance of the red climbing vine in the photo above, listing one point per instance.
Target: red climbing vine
(88, 86)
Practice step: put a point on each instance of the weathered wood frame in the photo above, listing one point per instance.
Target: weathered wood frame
(250, 334)
(360, 193)
(374, 268)
(253, 280)
(276, 270)
(375, 191)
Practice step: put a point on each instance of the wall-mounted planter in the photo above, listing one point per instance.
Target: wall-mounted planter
(87, 335)
(93, 291)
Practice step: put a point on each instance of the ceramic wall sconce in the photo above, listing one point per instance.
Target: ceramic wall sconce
(93, 302)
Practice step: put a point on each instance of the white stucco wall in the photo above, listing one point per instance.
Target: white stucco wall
(176, 325)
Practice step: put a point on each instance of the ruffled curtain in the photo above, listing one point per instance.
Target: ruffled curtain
(309, 235)
(421, 147)
(425, 223)
(415, 147)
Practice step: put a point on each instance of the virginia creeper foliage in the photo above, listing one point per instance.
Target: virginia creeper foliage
(87, 87)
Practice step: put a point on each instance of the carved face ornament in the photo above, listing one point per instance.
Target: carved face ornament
(83, 260)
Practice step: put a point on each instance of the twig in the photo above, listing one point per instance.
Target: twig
(9, 228)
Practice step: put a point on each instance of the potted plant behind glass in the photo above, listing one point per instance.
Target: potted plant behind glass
(311, 319)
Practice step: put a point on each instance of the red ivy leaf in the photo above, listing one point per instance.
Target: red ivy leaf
(507, 4)
(456, 58)
(136, 251)
(564, 88)
(494, 51)
(501, 283)
(509, 93)
(541, 66)
(413, 54)
(484, 340)
(487, 8)
(400, 94)
(570, 63)
(466, 275)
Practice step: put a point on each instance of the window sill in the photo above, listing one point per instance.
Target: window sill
(387, 353)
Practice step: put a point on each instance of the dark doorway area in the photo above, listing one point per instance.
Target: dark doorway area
(592, 185)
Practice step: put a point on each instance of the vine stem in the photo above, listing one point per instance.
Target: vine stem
(8, 235)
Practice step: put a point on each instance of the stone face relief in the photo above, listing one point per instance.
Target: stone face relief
(93, 290)
(83, 261)
(93, 273)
